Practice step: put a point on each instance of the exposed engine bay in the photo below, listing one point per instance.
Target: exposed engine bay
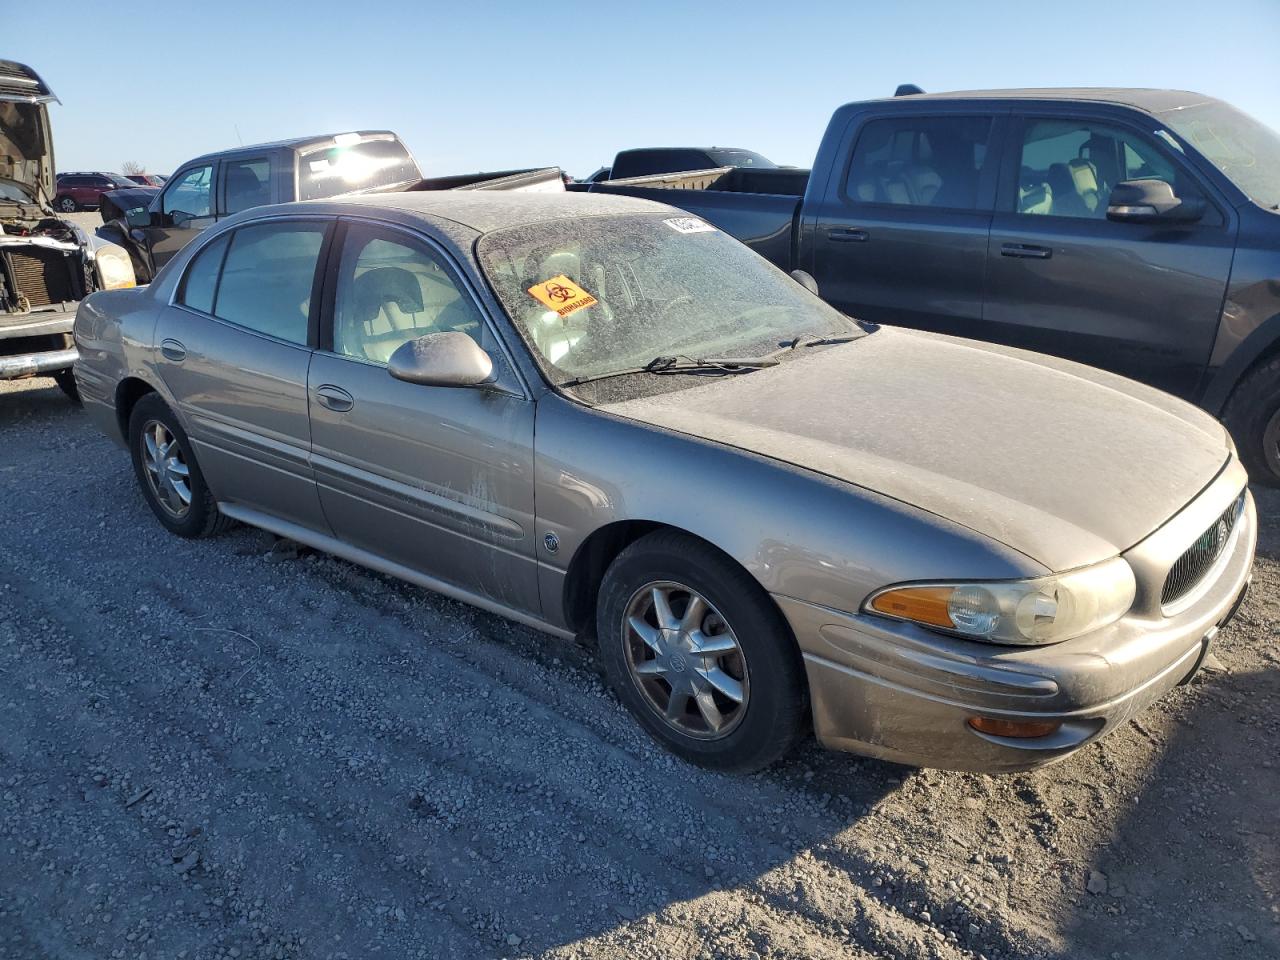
(42, 261)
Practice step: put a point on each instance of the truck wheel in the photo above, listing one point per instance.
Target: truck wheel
(66, 204)
(1253, 417)
(167, 471)
(66, 382)
(699, 654)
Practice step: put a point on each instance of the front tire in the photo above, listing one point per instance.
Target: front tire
(67, 204)
(66, 382)
(1253, 417)
(699, 654)
(168, 473)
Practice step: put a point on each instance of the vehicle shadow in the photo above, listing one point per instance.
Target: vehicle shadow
(1192, 868)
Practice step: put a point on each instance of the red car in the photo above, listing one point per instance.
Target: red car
(147, 179)
(82, 191)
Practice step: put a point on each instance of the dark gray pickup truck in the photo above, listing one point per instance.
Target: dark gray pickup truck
(1135, 230)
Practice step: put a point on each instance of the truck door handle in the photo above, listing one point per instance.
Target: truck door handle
(848, 235)
(334, 398)
(1027, 251)
(173, 350)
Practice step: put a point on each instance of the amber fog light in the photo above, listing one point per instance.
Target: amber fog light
(1019, 729)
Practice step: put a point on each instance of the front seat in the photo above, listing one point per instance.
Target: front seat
(386, 309)
(1084, 179)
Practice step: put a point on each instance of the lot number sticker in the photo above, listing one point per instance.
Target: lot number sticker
(562, 295)
(689, 225)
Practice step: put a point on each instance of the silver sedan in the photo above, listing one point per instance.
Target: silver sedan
(599, 416)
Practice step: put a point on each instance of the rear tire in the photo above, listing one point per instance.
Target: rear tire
(1252, 415)
(168, 473)
(738, 708)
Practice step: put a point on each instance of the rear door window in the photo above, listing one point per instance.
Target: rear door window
(267, 278)
(919, 161)
(245, 184)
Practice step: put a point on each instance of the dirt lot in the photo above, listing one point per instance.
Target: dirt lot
(229, 749)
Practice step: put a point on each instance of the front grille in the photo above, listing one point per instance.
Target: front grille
(1190, 568)
(43, 276)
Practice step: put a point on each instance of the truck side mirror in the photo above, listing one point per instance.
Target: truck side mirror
(138, 217)
(805, 279)
(1151, 201)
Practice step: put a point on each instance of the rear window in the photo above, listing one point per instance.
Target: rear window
(354, 167)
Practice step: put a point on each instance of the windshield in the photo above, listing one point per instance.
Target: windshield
(596, 295)
(15, 192)
(1242, 148)
(731, 157)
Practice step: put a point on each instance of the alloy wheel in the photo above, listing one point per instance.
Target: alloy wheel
(167, 472)
(684, 657)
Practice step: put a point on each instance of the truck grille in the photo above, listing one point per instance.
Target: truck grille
(1190, 568)
(44, 277)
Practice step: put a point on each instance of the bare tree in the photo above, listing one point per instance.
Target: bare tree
(132, 166)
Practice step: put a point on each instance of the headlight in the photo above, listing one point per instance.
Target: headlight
(115, 269)
(1044, 610)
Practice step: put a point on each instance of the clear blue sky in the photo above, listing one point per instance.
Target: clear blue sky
(478, 85)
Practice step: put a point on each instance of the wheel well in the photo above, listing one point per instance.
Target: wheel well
(586, 569)
(128, 393)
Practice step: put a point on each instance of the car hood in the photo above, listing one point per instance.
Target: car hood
(26, 154)
(1062, 462)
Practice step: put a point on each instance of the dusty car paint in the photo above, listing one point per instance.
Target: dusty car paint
(521, 492)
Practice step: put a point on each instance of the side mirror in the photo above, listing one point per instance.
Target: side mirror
(441, 360)
(805, 280)
(138, 217)
(1151, 201)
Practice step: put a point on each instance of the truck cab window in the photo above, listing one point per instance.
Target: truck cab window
(187, 197)
(248, 184)
(1069, 167)
(919, 161)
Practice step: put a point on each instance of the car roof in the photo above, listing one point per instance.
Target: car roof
(1152, 100)
(482, 211)
(298, 144)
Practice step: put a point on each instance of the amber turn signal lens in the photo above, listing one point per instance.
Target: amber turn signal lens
(921, 604)
(1020, 729)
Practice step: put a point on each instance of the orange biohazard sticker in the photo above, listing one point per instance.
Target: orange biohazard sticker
(562, 295)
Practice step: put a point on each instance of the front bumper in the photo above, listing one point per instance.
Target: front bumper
(903, 693)
(48, 350)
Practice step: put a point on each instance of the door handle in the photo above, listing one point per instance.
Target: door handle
(1028, 251)
(334, 398)
(848, 235)
(173, 350)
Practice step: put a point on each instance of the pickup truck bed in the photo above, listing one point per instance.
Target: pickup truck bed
(759, 207)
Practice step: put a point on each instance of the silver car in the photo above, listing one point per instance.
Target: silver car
(601, 416)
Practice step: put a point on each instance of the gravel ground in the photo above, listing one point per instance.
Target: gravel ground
(232, 748)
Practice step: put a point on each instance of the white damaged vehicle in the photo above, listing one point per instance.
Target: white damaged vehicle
(47, 265)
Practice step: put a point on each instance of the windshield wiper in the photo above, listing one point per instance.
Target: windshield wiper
(680, 364)
(816, 340)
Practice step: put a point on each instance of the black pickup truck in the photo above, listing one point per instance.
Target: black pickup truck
(1134, 230)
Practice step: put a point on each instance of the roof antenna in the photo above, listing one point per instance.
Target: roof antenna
(241, 139)
(907, 90)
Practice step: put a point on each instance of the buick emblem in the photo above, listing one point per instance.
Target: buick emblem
(1223, 532)
(677, 663)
